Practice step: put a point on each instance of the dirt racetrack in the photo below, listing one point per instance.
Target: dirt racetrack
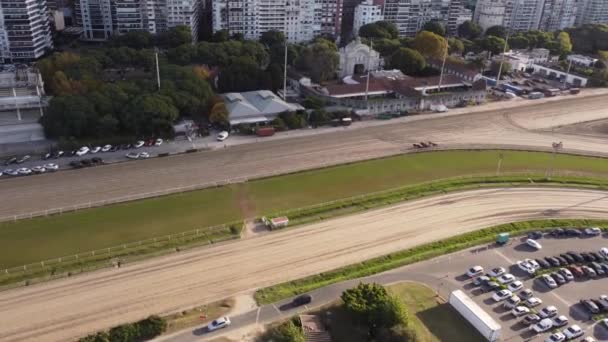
(528, 126)
(64, 309)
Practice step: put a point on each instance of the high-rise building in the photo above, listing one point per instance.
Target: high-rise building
(515, 15)
(559, 14)
(592, 12)
(300, 20)
(410, 15)
(25, 32)
(101, 19)
(366, 13)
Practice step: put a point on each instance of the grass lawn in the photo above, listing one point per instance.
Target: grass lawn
(433, 319)
(192, 318)
(33, 240)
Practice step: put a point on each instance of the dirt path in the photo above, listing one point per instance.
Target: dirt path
(65, 309)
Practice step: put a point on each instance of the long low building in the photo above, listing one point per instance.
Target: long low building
(390, 91)
(256, 107)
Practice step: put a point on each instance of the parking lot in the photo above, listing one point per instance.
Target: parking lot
(565, 297)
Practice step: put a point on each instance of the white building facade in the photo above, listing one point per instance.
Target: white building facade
(25, 32)
(100, 19)
(516, 15)
(366, 13)
(410, 15)
(301, 20)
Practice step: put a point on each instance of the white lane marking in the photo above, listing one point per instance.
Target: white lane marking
(279, 311)
(257, 316)
(504, 257)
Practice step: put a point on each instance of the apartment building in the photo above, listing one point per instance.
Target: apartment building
(559, 14)
(516, 15)
(366, 13)
(100, 19)
(301, 20)
(410, 15)
(25, 33)
(592, 12)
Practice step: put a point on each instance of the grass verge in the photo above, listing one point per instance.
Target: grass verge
(432, 319)
(197, 316)
(32, 240)
(427, 251)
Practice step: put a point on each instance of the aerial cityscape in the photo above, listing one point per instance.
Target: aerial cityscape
(303, 170)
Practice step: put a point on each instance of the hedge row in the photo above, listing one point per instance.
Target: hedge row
(140, 331)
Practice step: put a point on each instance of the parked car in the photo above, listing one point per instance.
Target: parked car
(520, 311)
(481, 280)
(106, 148)
(561, 260)
(605, 322)
(516, 285)
(535, 235)
(576, 256)
(76, 164)
(526, 267)
(560, 321)
(58, 154)
(132, 155)
(590, 272)
(219, 323)
(223, 135)
(577, 271)
(593, 231)
(158, 142)
(597, 256)
(573, 232)
(47, 156)
(95, 149)
(588, 339)
(38, 169)
(475, 271)
(24, 171)
(531, 319)
(549, 281)
(139, 144)
(511, 302)
(126, 146)
(548, 312)
(568, 258)
(11, 172)
(533, 301)
(559, 279)
(501, 295)
(590, 305)
(23, 159)
(496, 272)
(543, 263)
(604, 252)
(554, 262)
(51, 167)
(556, 337)
(506, 279)
(558, 232)
(573, 332)
(525, 294)
(534, 244)
(490, 286)
(542, 326)
(566, 274)
(598, 268)
(114, 148)
(11, 160)
(82, 151)
(302, 300)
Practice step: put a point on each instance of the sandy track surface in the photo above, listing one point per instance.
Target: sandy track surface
(67, 308)
(528, 126)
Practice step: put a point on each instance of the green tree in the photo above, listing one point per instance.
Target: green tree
(219, 114)
(220, 36)
(455, 45)
(565, 45)
(293, 120)
(286, 332)
(506, 68)
(434, 26)
(386, 47)
(430, 44)
(151, 114)
(320, 60)
(124, 333)
(519, 42)
(179, 35)
(379, 30)
(409, 61)
(69, 116)
(151, 327)
(99, 337)
(133, 39)
(469, 30)
(603, 55)
(272, 38)
(496, 31)
(493, 44)
(243, 74)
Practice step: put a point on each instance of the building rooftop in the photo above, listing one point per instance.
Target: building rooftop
(253, 106)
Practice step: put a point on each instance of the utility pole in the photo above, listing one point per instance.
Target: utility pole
(556, 147)
(369, 57)
(567, 73)
(502, 60)
(445, 56)
(285, 73)
(157, 69)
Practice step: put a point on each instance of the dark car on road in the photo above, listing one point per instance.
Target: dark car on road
(568, 258)
(557, 232)
(597, 256)
(554, 262)
(573, 232)
(590, 305)
(576, 256)
(302, 300)
(490, 286)
(562, 261)
(535, 235)
(11, 160)
(558, 278)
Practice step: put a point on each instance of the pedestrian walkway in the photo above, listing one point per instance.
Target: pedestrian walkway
(314, 330)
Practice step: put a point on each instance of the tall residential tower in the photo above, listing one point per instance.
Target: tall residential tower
(25, 33)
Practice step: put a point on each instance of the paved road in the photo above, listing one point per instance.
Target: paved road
(70, 307)
(519, 127)
(443, 274)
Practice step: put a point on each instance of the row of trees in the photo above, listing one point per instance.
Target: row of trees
(140, 331)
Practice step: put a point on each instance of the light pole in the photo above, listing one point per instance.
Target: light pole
(556, 147)
(500, 157)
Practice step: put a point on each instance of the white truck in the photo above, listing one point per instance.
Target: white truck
(475, 315)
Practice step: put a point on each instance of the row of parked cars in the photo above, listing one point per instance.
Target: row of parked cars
(25, 171)
(78, 164)
(567, 232)
(521, 302)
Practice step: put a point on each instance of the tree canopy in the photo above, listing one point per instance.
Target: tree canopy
(409, 61)
(430, 44)
(434, 26)
(379, 30)
(319, 59)
(589, 38)
(496, 31)
(469, 30)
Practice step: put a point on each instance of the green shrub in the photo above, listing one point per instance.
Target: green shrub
(140, 331)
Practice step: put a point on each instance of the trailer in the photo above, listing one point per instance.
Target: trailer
(275, 223)
(475, 315)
